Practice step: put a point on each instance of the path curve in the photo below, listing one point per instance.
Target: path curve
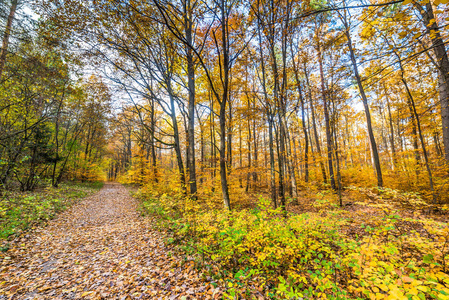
(100, 248)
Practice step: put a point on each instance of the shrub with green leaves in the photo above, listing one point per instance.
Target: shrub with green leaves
(21, 210)
(307, 255)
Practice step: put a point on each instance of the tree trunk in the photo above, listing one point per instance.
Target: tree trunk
(213, 144)
(248, 175)
(191, 105)
(366, 107)
(283, 103)
(326, 118)
(390, 122)
(315, 131)
(229, 141)
(303, 120)
(152, 146)
(416, 117)
(177, 145)
(240, 154)
(272, 166)
(6, 34)
(269, 118)
(202, 154)
(336, 153)
(256, 153)
(439, 47)
(223, 103)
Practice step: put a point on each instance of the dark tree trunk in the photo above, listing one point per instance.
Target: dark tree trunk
(6, 34)
(439, 47)
(315, 131)
(366, 107)
(390, 122)
(177, 144)
(152, 143)
(303, 120)
(326, 119)
(416, 117)
(223, 103)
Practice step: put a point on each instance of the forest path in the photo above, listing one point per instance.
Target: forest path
(100, 248)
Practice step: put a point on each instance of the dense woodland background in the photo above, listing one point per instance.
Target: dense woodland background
(290, 108)
(227, 96)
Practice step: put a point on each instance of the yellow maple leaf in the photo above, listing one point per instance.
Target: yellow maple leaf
(87, 293)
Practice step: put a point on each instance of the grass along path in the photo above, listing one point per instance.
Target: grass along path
(100, 248)
(21, 211)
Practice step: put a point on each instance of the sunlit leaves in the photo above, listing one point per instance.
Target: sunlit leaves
(309, 250)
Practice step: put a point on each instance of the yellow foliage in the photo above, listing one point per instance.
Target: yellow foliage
(309, 253)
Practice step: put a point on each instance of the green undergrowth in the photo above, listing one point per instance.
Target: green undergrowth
(332, 253)
(20, 211)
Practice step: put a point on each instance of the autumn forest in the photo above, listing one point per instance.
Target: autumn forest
(276, 149)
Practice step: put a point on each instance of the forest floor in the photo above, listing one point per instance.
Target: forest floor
(101, 248)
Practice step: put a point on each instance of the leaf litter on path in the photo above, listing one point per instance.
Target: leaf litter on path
(100, 248)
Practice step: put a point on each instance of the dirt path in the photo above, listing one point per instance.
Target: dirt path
(99, 249)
